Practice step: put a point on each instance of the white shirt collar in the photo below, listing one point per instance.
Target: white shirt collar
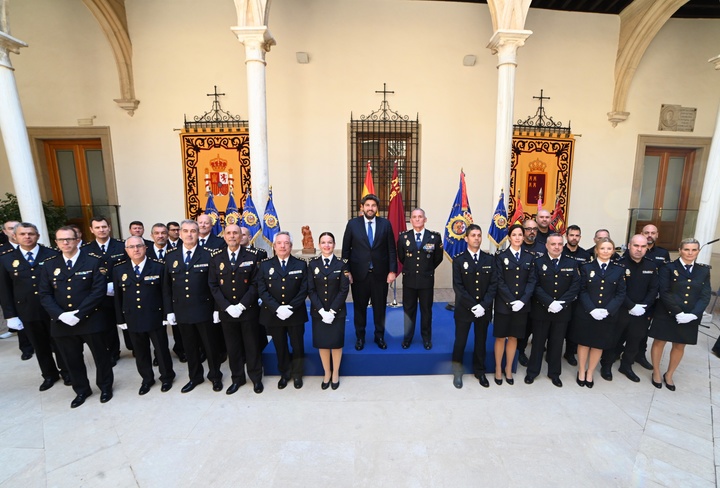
(141, 265)
(35, 250)
(72, 259)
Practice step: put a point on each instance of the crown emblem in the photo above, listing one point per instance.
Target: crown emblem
(537, 166)
(218, 164)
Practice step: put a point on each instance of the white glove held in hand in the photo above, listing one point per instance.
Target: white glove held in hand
(599, 313)
(69, 318)
(478, 310)
(555, 306)
(232, 311)
(638, 310)
(327, 317)
(171, 319)
(110, 290)
(517, 305)
(122, 326)
(216, 317)
(15, 323)
(284, 312)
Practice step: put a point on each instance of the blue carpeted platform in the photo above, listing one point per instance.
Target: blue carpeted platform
(394, 361)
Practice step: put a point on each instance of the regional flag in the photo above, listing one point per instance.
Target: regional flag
(271, 223)
(460, 217)
(250, 219)
(212, 211)
(557, 219)
(396, 209)
(498, 231)
(232, 215)
(518, 214)
(368, 186)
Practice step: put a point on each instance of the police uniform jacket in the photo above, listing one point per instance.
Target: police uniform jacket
(114, 253)
(20, 284)
(419, 264)
(232, 286)
(642, 283)
(152, 252)
(536, 248)
(81, 288)
(580, 255)
(681, 291)
(283, 288)
(562, 285)
(659, 255)
(598, 291)
(328, 287)
(139, 301)
(474, 284)
(213, 242)
(186, 292)
(516, 280)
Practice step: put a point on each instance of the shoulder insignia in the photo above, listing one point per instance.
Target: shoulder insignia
(251, 249)
(85, 244)
(52, 257)
(122, 261)
(154, 260)
(93, 255)
(215, 252)
(344, 260)
(704, 265)
(172, 250)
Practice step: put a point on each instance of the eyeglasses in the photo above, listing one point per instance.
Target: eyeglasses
(530, 229)
(138, 246)
(66, 240)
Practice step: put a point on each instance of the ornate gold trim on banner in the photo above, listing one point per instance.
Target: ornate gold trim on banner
(545, 163)
(218, 162)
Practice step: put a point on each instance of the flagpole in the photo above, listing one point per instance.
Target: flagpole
(394, 303)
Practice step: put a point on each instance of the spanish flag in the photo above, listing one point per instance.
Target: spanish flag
(518, 214)
(368, 186)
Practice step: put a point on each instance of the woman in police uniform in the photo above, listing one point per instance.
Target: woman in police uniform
(516, 284)
(328, 287)
(684, 295)
(602, 292)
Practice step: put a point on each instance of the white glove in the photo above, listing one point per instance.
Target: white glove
(122, 326)
(327, 317)
(684, 318)
(517, 305)
(599, 313)
(69, 318)
(15, 323)
(284, 312)
(171, 319)
(110, 290)
(637, 310)
(478, 310)
(240, 308)
(555, 306)
(216, 317)
(692, 316)
(232, 311)
(165, 322)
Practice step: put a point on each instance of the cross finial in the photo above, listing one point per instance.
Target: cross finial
(384, 91)
(541, 98)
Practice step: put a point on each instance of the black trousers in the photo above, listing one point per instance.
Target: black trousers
(38, 333)
(373, 288)
(522, 343)
(289, 365)
(24, 343)
(111, 335)
(629, 333)
(411, 297)
(203, 334)
(462, 329)
(553, 333)
(71, 349)
(245, 341)
(178, 347)
(143, 355)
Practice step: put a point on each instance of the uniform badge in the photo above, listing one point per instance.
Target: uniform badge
(56, 272)
(272, 270)
(506, 261)
(175, 264)
(124, 277)
(407, 243)
(627, 272)
(222, 266)
(103, 270)
(544, 268)
(221, 281)
(317, 270)
(592, 274)
(465, 265)
(676, 273)
(15, 263)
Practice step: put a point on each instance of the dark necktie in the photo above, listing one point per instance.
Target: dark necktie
(102, 249)
(327, 262)
(475, 257)
(188, 254)
(418, 241)
(603, 267)
(137, 271)
(232, 260)
(202, 242)
(30, 258)
(370, 234)
(555, 263)
(688, 267)
(160, 254)
(517, 256)
(69, 264)
(282, 266)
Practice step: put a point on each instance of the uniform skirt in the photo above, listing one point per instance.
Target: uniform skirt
(328, 336)
(666, 328)
(597, 334)
(510, 325)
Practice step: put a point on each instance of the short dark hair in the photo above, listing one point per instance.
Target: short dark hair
(516, 225)
(98, 218)
(135, 222)
(326, 234)
(574, 227)
(67, 227)
(472, 227)
(372, 197)
(172, 222)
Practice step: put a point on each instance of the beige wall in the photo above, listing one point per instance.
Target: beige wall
(181, 51)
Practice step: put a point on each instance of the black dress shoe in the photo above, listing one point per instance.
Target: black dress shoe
(182, 358)
(716, 353)
(483, 381)
(282, 382)
(258, 387)
(233, 388)
(66, 380)
(510, 381)
(606, 374)
(405, 344)
(657, 385)
(359, 345)
(529, 380)
(427, 345)
(457, 381)
(556, 381)
(297, 383)
(589, 384)
(578, 380)
(570, 358)
(335, 386)
(324, 385)
(79, 399)
(498, 381)
(381, 343)
(26, 355)
(106, 396)
(155, 361)
(190, 386)
(217, 385)
(47, 384)
(644, 363)
(630, 374)
(166, 386)
(668, 385)
(144, 388)
(523, 359)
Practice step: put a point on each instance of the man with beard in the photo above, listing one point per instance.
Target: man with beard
(659, 255)
(543, 221)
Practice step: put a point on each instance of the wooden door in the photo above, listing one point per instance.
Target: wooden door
(664, 193)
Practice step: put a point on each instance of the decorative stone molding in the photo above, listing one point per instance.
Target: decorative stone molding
(252, 13)
(639, 24)
(715, 61)
(505, 44)
(257, 42)
(508, 14)
(112, 18)
(9, 44)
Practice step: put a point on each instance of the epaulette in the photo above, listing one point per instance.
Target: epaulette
(85, 244)
(704, 265)
(172, 250)
(251, 249)
(215, 252)
(153, 260)
(434, 232)
(344, 260)
(96, 256)
(122, 261)
(6, 251)
(52, 257)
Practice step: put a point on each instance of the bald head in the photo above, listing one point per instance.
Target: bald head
(543, 220)
(232, 236)
(637, 247)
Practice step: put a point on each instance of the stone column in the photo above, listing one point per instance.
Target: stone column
(17, 144)
(710, 199)
(505, 44)
(257, 41)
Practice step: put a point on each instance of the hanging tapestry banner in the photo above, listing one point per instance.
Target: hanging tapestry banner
(538, 163)
(217, 162)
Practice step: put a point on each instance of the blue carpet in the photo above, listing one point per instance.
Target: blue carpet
(394, 361)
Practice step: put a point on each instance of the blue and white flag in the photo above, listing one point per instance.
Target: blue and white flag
(271, 223)
(250, 219)
(498, 231)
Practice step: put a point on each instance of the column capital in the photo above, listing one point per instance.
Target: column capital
(715, 61)
(505, 43)
(9, 44)
(257, 41)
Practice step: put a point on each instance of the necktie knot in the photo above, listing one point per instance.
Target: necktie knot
(475, 257)
(688, 267)
(327, 262)
(517, 255)
(102, 248)
(555, 262)
(202, 242)
(232, 259)
(69, 264)
(160, 253)
(137, 270)
(282, 265)
(188, 254)
(29, 257)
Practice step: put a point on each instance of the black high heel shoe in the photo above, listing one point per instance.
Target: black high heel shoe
(657, 385)
(498, 381)
(668, 385)
(589, 384)
(578, 380)
(335, 385)
(510, 380)
(324, 385)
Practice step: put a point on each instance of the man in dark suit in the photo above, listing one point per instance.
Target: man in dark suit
(233, 284)
(173, 229)
(189, 304)
(283, 286)
(19, 279)
(369, 247)
(475, 285)
(245, 239)
(543, 219)
(206, 238)
(71, 291)
(137, 229)
(420, 251)
(557, 286)
(139, 310)
(111, 252)
(537, 249)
